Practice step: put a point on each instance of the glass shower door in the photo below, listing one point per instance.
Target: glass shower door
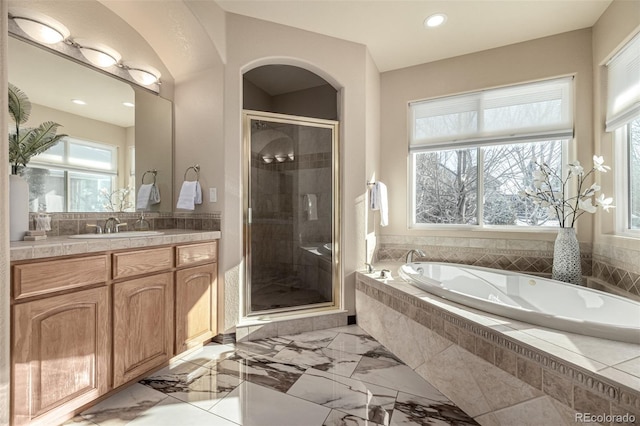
(291, 206)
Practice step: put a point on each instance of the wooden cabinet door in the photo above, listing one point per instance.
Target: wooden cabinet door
(60, 355)
(142, 325)
(196, 305)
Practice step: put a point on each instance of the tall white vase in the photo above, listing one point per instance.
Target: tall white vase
(566, 257)
(18, 207)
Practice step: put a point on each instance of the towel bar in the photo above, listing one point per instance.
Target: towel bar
(154, 172)
(196, 169)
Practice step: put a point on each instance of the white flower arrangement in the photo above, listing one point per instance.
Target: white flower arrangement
(116, 200)
(567, 210)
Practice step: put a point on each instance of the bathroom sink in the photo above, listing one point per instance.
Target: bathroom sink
(127, 234)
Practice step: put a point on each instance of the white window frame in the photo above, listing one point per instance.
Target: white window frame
(479, 140)
(411, 218)
(622, 182)
(65, 166)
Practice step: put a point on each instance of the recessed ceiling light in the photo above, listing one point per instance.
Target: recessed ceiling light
(78, 101)
(435, 20)
(128, 104)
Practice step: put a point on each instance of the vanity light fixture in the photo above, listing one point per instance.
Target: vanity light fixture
(98, 54)
(267, 159)
(41, 28)
(280, 158)
(143, 75)
(435, 20)
(34, 26)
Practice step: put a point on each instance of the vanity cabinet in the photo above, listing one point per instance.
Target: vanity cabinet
(195, 305)
(84, 325)
(60, 353)
(142, 326)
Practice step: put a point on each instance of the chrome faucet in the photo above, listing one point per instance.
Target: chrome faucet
(414, 251)
(112, 224)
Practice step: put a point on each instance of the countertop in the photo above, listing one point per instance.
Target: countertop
(64, 246)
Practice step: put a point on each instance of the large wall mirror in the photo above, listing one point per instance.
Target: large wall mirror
(117, 132)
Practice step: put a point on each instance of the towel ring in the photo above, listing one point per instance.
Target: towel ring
(154, 172)
(196, 169)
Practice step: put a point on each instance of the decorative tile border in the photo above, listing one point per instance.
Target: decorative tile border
(76, 223)
(532, 261)
(572, 385)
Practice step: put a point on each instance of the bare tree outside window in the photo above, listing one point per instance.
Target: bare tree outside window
(447, 186)
(508, 169)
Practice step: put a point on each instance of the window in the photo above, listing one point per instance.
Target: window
(69, 177)
(623, 118)
(472, 154)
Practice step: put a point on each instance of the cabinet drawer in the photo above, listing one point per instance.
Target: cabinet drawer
(34, 279)
(196, 253)
(140, 262)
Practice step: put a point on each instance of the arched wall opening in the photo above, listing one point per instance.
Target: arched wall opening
(292, 192)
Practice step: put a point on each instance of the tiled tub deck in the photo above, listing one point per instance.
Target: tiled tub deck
(500, 371)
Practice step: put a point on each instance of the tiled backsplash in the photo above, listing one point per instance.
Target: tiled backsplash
(512, 255)
(76, 223)
(616, 267)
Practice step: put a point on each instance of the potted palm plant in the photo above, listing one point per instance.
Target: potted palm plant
(24, 143)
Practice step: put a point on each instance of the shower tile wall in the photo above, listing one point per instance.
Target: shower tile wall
(284, 238)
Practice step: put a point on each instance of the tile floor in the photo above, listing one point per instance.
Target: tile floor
(338, 376)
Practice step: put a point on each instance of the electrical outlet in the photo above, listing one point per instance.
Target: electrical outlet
(213, 195)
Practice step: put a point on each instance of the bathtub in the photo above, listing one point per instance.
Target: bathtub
(531, 299)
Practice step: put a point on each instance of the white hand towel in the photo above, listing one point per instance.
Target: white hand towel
(187, 197)
(380, 202)
(154, 197)
(198, 198)
(311, 206)
(144, 193)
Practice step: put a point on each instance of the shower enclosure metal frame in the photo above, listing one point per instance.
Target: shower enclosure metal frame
(336, 226)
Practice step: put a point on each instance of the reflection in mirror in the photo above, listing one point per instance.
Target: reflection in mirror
(92, 170)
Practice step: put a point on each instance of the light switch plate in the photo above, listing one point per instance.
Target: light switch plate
(213, 195)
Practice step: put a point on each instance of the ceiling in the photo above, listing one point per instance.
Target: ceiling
(394, 33)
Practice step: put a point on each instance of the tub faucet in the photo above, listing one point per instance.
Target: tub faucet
(412, 252)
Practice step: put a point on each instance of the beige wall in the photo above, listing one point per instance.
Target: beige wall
(560, 55)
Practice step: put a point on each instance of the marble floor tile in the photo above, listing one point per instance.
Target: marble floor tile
(411, 410)
(210, 352)
(338, 418)
(261, 370)
(368, 401)
(268, 346)
(334, 377)
(253, 405)
(384, 372)
(359, 344)
(173, 412)
(124, 406)
(325, 359)
(201, 390)
(318, 338)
